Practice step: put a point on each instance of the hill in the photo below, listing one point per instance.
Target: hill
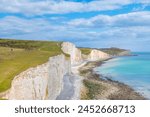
(115, 51)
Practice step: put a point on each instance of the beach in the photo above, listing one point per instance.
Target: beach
(94, 87)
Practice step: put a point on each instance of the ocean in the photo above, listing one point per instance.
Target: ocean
(131, 70)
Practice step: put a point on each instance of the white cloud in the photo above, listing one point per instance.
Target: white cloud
(100, 31)
(123, 20)
(12, 26)
(40, 7)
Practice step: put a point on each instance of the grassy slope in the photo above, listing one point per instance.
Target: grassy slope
(85, 51)
(112, 51)
(17, 56)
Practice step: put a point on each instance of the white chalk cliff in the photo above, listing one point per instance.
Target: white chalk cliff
(46, 81)
(97, 55)
(75, 53)
(42, 82)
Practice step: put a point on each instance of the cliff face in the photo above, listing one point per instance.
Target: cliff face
(46, 81)
(97, 55)
(75, 53)
(77, 57)
(42, 82)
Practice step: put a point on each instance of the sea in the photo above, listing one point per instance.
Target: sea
(131, 70)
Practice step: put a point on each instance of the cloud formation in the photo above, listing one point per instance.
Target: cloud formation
(123, 20)
(98, 31)
(40, 7)
(130, 29)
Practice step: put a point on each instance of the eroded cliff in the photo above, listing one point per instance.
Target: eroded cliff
(46, 81)
(97, 55)
(42, 82)
(75, 53)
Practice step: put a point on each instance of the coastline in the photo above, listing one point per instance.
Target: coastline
(94, 87)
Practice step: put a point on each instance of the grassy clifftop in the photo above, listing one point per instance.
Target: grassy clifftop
(32, 45)
(19, 55)
(85, 51)
(113, 51)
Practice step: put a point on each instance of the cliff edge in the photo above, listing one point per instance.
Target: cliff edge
(47, 81)
(42, 82)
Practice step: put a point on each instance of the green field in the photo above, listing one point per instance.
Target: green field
(17, 56)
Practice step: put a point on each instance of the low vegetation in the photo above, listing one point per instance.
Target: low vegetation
(112, 51)
(92, 86)
(18, 55)
(92, 89)
(85, 51)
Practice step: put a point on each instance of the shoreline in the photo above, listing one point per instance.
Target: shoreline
(95, 87)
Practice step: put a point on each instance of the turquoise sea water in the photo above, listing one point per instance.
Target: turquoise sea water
(133, 71)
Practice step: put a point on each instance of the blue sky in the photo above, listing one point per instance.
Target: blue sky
(87, 23)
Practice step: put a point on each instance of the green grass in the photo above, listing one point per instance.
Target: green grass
(113, 50)
(17, 56)
(85, 51)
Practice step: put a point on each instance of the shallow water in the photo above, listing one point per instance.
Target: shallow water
(132, 70)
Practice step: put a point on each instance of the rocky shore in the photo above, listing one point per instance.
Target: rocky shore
(95, 87)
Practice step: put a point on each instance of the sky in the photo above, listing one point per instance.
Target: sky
(87, 23)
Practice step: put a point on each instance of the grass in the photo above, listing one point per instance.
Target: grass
(85, 51)
(113, 50)
(17, 56)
